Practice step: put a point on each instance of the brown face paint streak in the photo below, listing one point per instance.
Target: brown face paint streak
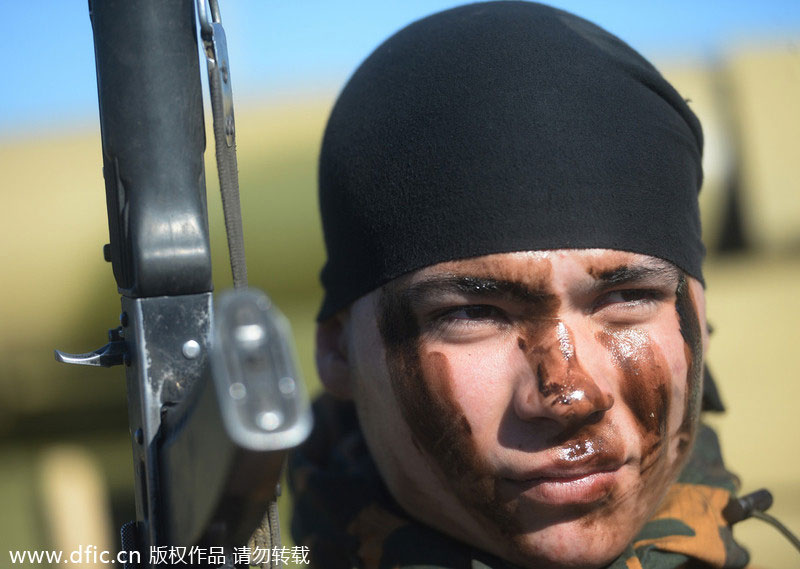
(539, 338)
(454, 432)
(606, 274)
(437, 423)
(465, 426)
(546, 388)
(644, 388)
(575, 397)
(645, 377)
(533, 273)
(646, 381)
(659, 416)
(690, 330)
(555, 393)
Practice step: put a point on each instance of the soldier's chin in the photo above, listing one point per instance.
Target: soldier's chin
(578, 544)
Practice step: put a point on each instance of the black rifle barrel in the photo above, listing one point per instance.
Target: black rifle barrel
(151, 120)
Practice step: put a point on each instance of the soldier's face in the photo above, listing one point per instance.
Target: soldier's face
(537, 404)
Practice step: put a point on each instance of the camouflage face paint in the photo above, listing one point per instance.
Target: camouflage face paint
(437, 423)
(422, 382)
(644, 387)
(693, 346)
(562, 382)
(646, 380)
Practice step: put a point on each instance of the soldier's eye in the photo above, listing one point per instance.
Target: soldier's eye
(467, 322)
(473, 312)
(635, 300)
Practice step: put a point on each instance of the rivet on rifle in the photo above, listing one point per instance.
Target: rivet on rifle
(269, 420)
(139, 436)
(191, 349)
(237, 390)
(286, 385)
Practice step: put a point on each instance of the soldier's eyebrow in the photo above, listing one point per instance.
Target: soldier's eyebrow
(656, 272)
(473, 286)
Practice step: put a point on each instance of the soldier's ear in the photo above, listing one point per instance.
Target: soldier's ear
(331, 356)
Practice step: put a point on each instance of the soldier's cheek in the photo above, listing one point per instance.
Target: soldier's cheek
(645, 383)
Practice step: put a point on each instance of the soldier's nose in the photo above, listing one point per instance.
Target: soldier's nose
(557, 386)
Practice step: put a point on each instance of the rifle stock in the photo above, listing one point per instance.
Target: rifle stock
(151, 121)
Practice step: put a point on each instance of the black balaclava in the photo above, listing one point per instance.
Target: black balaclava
(498, 127)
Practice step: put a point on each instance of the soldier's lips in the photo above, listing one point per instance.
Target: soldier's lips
(567, 488)
(583, 480)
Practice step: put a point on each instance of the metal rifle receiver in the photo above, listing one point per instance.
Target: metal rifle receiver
(248, 409)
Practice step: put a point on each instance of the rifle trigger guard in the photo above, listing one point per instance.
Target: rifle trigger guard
(109, 355)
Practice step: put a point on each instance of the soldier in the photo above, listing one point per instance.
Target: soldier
(513, 325)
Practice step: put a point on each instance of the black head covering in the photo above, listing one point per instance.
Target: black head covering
(497, 127)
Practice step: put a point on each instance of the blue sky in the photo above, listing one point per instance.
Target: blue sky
(281, 47)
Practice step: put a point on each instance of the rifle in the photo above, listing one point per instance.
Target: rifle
(214, 398)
